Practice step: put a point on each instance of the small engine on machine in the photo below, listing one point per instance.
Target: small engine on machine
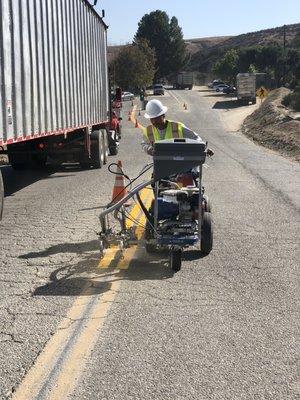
(179, 209)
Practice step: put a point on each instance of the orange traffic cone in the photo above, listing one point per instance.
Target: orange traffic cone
(119, 190)
(136, 124)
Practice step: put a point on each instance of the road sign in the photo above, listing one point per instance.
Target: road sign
(262, 92)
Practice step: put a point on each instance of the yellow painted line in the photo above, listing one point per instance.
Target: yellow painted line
(128, 257)
(114, 257)
(37, 375)
(58, 368)
(108, 257)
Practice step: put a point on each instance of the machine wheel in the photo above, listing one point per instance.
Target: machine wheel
(97, 149)
(175, 260)
(206, 233)
(207, 204)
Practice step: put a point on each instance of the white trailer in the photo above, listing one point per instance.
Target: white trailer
(184, 80)
(54, 92)
(246, 88)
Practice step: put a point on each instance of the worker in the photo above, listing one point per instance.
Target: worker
(161, 128)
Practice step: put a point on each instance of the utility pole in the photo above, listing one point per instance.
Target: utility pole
(284, 54)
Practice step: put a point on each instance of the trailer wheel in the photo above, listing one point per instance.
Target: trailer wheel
(1, 195)
(175, 259)
(97, 149)
(206, 233)
(105, 146)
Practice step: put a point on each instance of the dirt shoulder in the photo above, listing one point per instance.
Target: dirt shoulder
(232, 115)
(275, 126)
(270, 124)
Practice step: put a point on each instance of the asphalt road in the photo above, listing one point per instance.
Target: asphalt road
(225, 327)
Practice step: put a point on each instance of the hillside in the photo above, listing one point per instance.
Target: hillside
(204, 51)
(194, 45)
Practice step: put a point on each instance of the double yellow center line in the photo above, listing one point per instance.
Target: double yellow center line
(59, 367)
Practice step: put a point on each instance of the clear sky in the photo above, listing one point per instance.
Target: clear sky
(200, 18)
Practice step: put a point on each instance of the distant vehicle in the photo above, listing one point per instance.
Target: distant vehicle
(229, 90)
(184, 80)
(246, 88)
(220, 87)
(158, 89)
(127, 96)
(215, 83)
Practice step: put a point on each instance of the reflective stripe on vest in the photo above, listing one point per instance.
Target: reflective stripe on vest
(174, 130)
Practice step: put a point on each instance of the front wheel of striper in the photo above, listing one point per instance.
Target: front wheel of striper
(175, 259)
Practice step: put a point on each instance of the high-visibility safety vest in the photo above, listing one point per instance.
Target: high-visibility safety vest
(174, 131)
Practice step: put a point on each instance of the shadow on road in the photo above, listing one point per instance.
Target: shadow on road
(17, 180)
(76, 248)
(226, 105)
(214, 94)
(205, 91)
(74, 278)
(86, 276)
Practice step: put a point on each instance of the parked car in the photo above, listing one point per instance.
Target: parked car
(158, 88)
(127, 96)
(214, 83)
(230, 90)
(220, 87)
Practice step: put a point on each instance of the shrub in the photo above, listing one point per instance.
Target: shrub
(286, 101)
(293, 99)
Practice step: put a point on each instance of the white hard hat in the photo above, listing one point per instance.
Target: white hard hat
(154, 108)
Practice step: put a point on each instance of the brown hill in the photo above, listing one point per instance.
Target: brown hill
(214, 45)
(203, 59)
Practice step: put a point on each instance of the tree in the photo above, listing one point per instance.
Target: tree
(166, 38)
(134, 66)
(247, 57)
(227, 67)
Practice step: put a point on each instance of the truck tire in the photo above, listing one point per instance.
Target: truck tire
(97, 149)
(113, 143)
(1, 195)
(105, 146)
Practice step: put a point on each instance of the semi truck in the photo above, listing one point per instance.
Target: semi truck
(54, 92)
(246, 88)
(184, 80)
